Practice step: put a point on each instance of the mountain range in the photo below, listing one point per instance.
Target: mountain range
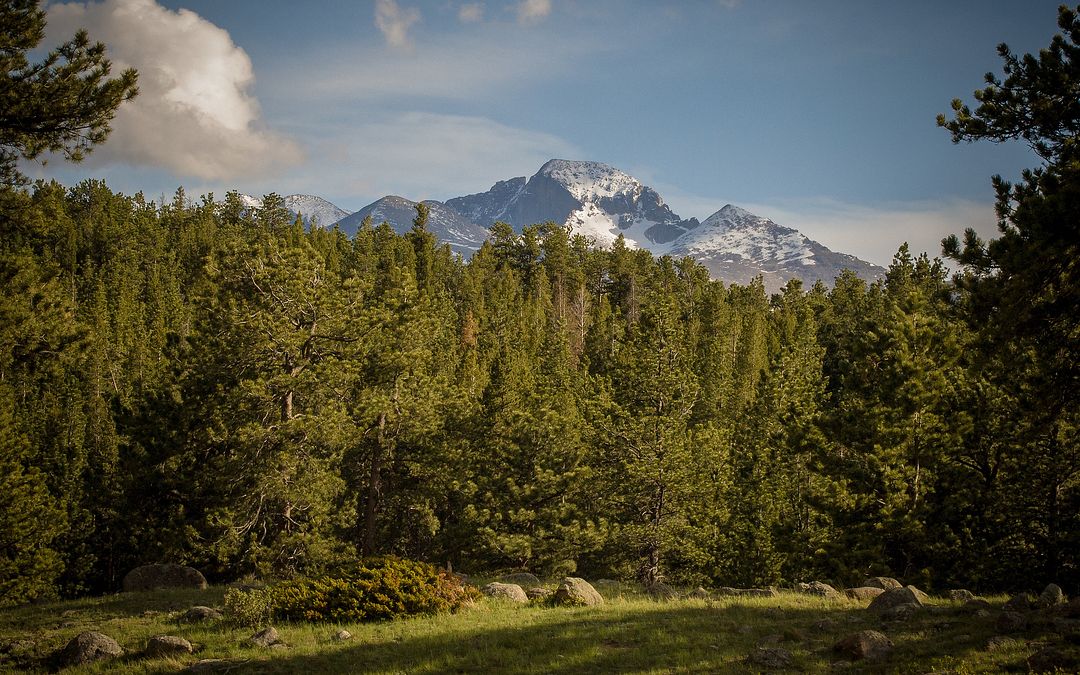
(602, 203)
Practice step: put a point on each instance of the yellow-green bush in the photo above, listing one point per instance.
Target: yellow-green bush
(375, 589)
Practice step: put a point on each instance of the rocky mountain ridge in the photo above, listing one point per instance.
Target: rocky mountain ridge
(602, 203)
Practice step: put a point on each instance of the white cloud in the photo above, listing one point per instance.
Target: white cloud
(422, 155)
(471, 12)
(194, 114)
(394, 22)
(533, 10)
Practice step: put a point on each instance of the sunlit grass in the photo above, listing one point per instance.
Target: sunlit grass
(628, 634)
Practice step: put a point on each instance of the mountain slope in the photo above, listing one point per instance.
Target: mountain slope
(313, 209)
(736, 246)
(448, 225)
(594, 199)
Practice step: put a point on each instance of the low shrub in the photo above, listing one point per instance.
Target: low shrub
(248, 607)
(375, 589)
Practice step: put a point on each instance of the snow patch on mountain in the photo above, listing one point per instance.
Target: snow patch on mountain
(590, 181)
(311, 208)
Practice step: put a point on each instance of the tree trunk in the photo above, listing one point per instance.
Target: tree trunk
(374, 491)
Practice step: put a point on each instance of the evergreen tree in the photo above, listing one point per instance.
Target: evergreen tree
(62, 104)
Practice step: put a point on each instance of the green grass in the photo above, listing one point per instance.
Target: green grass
(628, 634)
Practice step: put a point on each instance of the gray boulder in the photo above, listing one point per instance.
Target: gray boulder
(1010, 622)
(151, 577)
(88, 647)
(923, 597)
(820, 589)
(884, 583)
(199, 614)
(164, 646)
(511, 592)
(575, 591)
(523, 579)
(900, 612)
(1052, 596)
(539, 593)
(342, 635)
(867, 644)
(894, 597)
(267, 637)
(960, 595)
(1021, 602)
(698, 593)
(863, 593)
(660, 591)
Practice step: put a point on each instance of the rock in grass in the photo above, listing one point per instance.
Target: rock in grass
(923, 597)
(960, 595)
(209, 666)
(976, 605)
(168, 575)
(199, 614)
(771, 658)
(866, 644)
(1010, 622)
(267, 637)
(863, 593)
(342, 635)
(884, 583)
(164, 646)
(660, 591)
(698, 593)
(1021, 602)
(1052, 596)
(820, 589)
(523, 579)
(539, 593)
(575, 591)
(1052, 660)
(902, 612)
(511, 592)
(894, 597)
(88, 647)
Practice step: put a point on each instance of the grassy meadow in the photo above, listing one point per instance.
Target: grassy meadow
(630, 633)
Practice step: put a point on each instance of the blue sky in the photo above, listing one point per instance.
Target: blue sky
(819, 115)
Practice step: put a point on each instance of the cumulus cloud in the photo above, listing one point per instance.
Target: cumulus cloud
(529, 11)
(194, 114)
(471, 12)
(394, 22)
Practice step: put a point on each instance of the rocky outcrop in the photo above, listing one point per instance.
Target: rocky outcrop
(88, 647)
(153, 577)
(884, 583)
(577, 592)
(523, 579)
(894, 597)
(165, 646)
(511, 592)
(867, 644)
(863, 593)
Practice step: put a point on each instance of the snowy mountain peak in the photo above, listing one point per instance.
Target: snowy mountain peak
(732, 212)
(588, 181)
(309, 207)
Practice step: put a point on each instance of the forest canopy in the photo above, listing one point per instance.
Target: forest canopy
(202, 382)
